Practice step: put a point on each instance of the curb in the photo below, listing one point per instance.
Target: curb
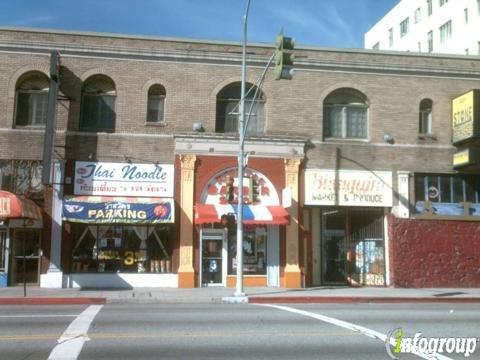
(355, 299)
(52, 301)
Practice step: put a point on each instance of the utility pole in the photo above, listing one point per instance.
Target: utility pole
(239, 292)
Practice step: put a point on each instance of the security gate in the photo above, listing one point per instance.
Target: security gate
(353, 246)
(3, 258)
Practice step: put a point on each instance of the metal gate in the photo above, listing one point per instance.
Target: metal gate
(353, 246)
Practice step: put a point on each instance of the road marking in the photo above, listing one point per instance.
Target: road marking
(350, 326)
(71, 342)
(36, 316)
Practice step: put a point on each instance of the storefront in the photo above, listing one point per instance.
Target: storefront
(216, 217)
(120, 221)
(348, 210)
(20, 240)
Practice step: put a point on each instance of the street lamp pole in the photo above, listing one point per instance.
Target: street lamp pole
(241, 139)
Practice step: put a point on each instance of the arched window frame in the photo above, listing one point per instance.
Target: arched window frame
(346, 115)
(228, 104)
(31, 100)
(425, 117)
(98, 104)
(156, 104)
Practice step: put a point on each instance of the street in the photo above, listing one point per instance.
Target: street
(221, 331)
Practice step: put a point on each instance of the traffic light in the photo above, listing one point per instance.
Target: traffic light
(255, 189)
(230, 193)
(284, 60)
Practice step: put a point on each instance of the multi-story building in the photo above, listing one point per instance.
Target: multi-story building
(348, 179)
(429, 26)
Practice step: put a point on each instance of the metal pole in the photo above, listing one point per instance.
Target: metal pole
(241, 139)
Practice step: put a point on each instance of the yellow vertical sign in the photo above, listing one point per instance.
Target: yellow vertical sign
(462, 117)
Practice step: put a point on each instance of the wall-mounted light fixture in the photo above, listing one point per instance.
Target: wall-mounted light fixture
(197, 127)
(388, 138)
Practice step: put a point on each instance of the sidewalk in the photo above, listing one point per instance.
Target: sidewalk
(38, 296)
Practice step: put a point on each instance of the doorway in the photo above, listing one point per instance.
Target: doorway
(213, 261)
(352, 246)
(26, 256)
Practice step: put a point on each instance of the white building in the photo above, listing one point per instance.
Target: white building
(438, 26)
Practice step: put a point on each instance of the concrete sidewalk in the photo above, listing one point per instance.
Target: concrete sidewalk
(36, 295)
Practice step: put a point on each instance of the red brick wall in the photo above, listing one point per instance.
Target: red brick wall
(434, 253)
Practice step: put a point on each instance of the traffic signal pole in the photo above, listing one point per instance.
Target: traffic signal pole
(239, 292)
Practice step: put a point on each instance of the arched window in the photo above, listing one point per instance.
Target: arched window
(98, 104)
(156, 104)
(228, 109)
(425, 117)
(345, 114)
(32, 100)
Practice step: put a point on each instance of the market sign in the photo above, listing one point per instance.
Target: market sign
(117, 179)
(108, 210)
(469, 156)
(466, 116)
(348, 188)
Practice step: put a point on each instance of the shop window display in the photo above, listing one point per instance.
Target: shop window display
(122, 248)
(254, 250)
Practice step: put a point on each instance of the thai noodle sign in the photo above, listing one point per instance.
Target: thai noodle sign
(117, 179)
(348, 188)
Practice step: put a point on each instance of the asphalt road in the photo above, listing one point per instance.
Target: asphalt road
(190, 331)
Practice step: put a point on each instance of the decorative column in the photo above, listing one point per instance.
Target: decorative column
(293, 277)
(186, 273)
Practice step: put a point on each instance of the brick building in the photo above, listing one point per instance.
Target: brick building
(349, 177)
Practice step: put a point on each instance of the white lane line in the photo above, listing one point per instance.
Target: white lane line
(71, 342)
(36, 316)
(346, 325)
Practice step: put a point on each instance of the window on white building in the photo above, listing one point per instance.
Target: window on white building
(419, 45)
(443, 2)
(418, 15)
(466, 51)
(404, 27)
(430, 41)
(430, 7)
(446, 32)
(465, 12)
(376, 46)
(390, 37)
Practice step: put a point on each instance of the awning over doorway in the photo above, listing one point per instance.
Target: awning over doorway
(252, 214)
(121, 210)
(17, 207)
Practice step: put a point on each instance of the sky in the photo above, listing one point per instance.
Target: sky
(322, 23)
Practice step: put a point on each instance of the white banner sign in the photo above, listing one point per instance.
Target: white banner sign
(348, 188)
(114, 179)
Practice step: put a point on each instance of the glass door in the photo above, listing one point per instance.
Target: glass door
(213, 257)
(334, 247)
(26, 256)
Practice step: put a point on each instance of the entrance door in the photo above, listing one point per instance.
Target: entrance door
(3, 257)
(352, 246)
(26, 256)
(213, 257)
(334, 247)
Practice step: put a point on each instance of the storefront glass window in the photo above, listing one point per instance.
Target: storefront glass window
(122, 248)
(254, 249)
(446, 193)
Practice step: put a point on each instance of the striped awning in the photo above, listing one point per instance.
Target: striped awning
(16, 207)
(252, 214)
